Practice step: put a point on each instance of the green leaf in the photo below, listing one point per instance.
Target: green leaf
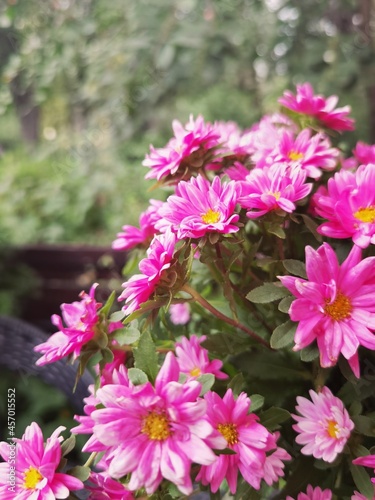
(107, 306)
(137, 377)
(127, 335)
(364, 425)
(283, 335)
(309, 353)
(226, 343)
(257, 402)
(117, 316)
(145, 356)
(312, 226)
(237, 383)
(277, 230)
(80, 472)
(273, 417)
(362, 480)
(207, 380)
(296, 267)
(68, 445)
(225, 451)
(269, 292)
(285, 304)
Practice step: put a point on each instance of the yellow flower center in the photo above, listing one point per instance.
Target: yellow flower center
(340, 308)
(195, 372)
(156, 426)
(31, 478)
(229, 431)
(332, 428)
(295, 155)
(366, 214)
(211, 216)
(276, 194)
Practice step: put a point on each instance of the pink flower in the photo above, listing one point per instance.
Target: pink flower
(318, 107)
(251, 441)
(187, 149)
(34, 465)
(273, 188)
(324, 426)
(349, 206)
(335, 306)
(103, 487)
(140, 287)
(156, 432)
(367, 461)
(132, 236)
(199, 207)
(364, 153)
(313, 494)
(81, 319)
(358, 496)
(193, 359)
(312, 154)
(179, 313)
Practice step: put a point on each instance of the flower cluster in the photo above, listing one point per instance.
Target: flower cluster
(242, 362)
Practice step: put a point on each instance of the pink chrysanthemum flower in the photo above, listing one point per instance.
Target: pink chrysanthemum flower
(251, 441)
(313, 494)
(103, 487)
(187, 149)
(358, 496)
(335, 306)
(321, 108)
(312, 154)
(349, 206)
(132, 236)
(364, 153)
(273, 188)
(34, 465)
(193, 359)
(81, 319)
(156, 432)
(367, 461)
(139, 288)
(179, 313)
(324, 426)
(199, 207)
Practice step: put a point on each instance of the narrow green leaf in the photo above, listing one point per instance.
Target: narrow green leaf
(257, 402)
(225, 451)
(137, 377)
(285, 304)
(362, 480)
(283, 335)
(145, 356)
(273, 417)
(364, 425)
(207, 380)
(277, 230)
(309, 353)
(266, 293)
(68, 445)
(104, 311)
(312, 226)
(237, 383)
(117, 316)
(296, 267)
(80, 472)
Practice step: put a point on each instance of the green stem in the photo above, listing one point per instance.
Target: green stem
(90, 459)
(236, 324)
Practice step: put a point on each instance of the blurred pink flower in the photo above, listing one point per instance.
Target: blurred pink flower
(185, 150)
(313, 494)
(179, 313)
(358, 496)
(81, 319)
(132, 236)
(251, 441)
(35, 468)
(272, 188)
(155, 432)
(312, 154)
(367, 461)
(349, 206)
(139, 288)
(335, 306)
(103, 487)
(364, 153)
(199, 207)
(319, 107)
(193, 359)
(324, 426)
